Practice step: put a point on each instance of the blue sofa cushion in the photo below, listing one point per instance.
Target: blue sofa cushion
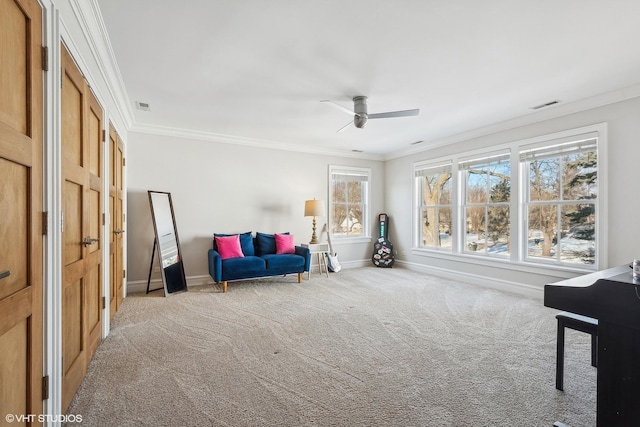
(266, 243)
(240, 268)
(284, 262)
(246, 242)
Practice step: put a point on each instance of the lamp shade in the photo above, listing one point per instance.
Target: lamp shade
(314, 208)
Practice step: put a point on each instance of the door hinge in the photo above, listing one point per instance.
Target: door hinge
(104, 219)
(45, 387)
(124, 274)
(104, 135)
(45, 58)
(124, 162)
(45, 223)
(104, 302)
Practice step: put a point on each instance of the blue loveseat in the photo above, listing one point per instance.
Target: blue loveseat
(259, 260)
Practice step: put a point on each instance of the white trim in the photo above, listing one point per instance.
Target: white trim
(89, 17)
(52, 184)
(337, 240)
(245, 141)
(366, 227)
(530, 291)
(554, 112)
(501, 263)
(518, 254)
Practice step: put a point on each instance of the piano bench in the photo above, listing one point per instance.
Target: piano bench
(580, 323)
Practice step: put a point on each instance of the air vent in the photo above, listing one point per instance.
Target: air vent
(143, 106)
(548, 104)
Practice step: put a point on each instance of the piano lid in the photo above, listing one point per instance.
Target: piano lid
(613, 296)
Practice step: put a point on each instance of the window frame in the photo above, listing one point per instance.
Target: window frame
(485, 160)
(419, 204)
(518, 259)
(365, 236)
(551, 150)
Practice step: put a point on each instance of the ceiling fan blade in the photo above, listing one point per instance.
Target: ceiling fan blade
(343, 128)
(338, 106)
(403, 113)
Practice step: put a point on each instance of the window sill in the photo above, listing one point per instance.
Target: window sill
(348, 240)
(504, 263)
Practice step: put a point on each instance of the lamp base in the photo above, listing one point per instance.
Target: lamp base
(314, 238)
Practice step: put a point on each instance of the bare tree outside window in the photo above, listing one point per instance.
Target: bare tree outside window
(534, 201)
(487, 204)
(561, 204)
(435, 193)
(348, 197)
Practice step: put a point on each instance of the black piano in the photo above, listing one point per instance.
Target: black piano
(612, 297)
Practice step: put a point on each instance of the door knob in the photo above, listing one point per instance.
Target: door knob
(118, 231)
(89, 241)
(5, 274)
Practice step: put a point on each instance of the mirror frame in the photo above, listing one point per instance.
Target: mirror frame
(175, 270)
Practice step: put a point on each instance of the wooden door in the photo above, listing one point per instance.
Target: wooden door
(21, 219)
(82, 142)
(116, 229)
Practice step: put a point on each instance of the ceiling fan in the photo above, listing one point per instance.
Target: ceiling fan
(361, 116)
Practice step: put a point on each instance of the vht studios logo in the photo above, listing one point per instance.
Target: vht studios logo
(41, 418)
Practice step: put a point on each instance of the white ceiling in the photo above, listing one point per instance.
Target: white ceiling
(254, 71)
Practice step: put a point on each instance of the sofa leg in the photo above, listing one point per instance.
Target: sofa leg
(224, 286)
(299, 277)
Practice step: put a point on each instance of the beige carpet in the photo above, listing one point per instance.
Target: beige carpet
(364, 347)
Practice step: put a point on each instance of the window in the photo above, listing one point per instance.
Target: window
(349, 201)
(535, 201)
(487, 200)
(561, 198)
(434, 202)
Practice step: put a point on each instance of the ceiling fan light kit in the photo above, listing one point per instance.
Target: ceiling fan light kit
(361, 115)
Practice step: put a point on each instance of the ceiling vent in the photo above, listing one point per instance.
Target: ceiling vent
(143, 106)
(548, 104)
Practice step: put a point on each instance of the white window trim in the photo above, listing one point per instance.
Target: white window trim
(517, 259)
(417, 198)
(366, 237)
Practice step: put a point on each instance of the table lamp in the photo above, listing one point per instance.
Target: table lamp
(314, 208)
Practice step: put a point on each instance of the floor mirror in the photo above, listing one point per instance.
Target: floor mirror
(166, 245)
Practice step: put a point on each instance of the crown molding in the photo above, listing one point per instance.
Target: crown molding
(251, 142)
(89, 18)
(559, 110)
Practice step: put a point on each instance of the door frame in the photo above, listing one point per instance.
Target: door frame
(52, 295)
(55, 32)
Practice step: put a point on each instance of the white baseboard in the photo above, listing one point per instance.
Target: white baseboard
(137, 286)
(523, 289)
(530, 291)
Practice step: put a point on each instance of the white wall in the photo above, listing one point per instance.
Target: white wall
(623, 119)
(225, 188)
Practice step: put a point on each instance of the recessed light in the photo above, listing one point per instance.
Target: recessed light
(144, 106)
(546, 104)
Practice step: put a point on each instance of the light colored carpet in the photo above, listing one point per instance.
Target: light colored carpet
(364, 347)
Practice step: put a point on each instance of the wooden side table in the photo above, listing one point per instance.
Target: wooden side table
(318, 249)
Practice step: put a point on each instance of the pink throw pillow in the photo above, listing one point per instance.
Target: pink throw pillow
(285, 244)
(229, 246)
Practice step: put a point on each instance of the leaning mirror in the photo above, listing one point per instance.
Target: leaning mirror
(167, 244)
